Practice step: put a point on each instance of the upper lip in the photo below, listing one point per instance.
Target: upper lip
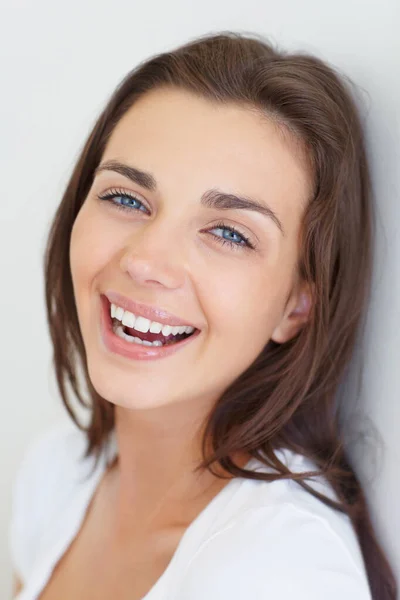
(142, 310)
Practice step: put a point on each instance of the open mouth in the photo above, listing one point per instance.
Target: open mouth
(146, 338)
(136, 329)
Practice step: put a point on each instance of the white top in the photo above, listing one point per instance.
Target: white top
(254, 540)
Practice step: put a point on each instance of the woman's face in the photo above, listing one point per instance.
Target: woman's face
(171, 247)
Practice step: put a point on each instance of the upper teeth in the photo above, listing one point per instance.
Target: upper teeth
(144, 325)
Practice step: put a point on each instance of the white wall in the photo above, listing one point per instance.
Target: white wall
(58, 64)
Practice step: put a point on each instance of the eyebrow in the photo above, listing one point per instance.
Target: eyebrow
(212, 198)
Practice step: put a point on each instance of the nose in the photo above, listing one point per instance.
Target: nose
(153, 257)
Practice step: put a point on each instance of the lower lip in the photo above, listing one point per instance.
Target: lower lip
(115, 344)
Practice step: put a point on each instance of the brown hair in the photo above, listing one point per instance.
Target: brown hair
(286, 398)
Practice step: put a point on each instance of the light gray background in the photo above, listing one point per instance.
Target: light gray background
(58, 64)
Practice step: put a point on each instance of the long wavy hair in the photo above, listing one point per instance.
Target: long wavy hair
(288, 397)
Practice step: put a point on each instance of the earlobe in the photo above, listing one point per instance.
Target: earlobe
(295, 317)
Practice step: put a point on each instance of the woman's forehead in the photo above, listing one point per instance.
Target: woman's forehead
(185, 139)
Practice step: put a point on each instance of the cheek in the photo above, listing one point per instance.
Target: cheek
(91, 247)
(234, 296)
(245, 302)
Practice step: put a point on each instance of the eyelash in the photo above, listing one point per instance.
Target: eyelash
(114, 193)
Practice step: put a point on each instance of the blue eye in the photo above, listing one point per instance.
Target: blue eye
(231, 236)
(123, 200)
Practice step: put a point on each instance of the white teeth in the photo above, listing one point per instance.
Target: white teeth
(119, 331)
(128, 319)
(155, 327)
(142, 324)
(119, 313)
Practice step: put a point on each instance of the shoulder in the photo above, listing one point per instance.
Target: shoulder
(46, 479)
(53, 460)
(281, 543)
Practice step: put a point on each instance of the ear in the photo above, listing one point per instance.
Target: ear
(296, 314)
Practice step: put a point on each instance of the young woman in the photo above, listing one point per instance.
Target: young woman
(206, 274)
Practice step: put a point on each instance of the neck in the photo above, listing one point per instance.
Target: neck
(153, 484)
(153, 478)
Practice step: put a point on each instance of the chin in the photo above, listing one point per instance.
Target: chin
(132, 392)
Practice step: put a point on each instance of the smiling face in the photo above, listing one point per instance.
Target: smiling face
(227, 269)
